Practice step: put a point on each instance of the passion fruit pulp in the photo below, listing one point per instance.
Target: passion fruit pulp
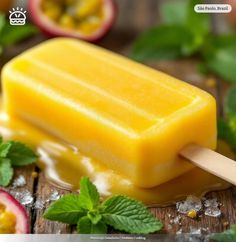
(89, 20)
(13, 216)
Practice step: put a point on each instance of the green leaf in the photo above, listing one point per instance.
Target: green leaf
(89, 196)
(174, 12)
(226, 133)
(94, 216)
(85, 226)
(4, 149)
(1, 139)
(198, 24)
(161, 43)
(2, 21)
(129, 215)
(67, 210)
(222, 61)
(6, 172)
(14, 34)
(21, 155)
(226, 236)
(230, 102)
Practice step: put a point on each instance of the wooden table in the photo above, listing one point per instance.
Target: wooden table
(134, 17)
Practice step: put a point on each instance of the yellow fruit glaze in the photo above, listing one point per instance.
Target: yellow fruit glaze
(64, 165)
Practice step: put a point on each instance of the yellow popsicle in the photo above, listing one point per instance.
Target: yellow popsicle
(129, 117)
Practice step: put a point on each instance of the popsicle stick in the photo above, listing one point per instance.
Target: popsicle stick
(211, 161)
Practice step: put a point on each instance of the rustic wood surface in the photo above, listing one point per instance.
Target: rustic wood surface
(134, 17)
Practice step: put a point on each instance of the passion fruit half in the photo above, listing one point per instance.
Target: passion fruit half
(88, 20)
(13, 216)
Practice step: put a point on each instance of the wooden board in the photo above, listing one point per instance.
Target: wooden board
(134, 17)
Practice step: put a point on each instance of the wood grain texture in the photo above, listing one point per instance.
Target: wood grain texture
(135, 17)
(41, 225)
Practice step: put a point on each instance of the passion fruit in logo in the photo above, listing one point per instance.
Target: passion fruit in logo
(17, 16)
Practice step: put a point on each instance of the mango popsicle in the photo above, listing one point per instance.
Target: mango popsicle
(127, 116)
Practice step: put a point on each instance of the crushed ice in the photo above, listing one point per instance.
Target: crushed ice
(54, 196)
(39, 204)
(211, 203)
(213, 212)
(19, 182)
(211, 206)
(191, 203)
(24, 197)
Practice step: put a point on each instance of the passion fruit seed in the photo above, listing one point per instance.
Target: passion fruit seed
(84, 15)
(66, 21)
(192, 213)
(52, 11)
(7, 221)
(87, 8)
(34, 174)
(90, 25)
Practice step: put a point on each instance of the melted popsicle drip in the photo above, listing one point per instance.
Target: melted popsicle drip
(64, 165)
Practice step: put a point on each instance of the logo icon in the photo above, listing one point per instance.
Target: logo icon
(17, 16)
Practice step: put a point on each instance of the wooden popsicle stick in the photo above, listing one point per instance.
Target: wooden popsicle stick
(211, 161)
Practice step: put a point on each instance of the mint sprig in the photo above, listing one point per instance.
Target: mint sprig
(13, 154)
(93, 217)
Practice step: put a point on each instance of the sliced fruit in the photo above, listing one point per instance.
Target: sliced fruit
(89, 20)
(13, 217)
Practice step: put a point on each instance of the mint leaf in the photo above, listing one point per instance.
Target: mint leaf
(4, 149)
(129, 215)
(66, 210)
(85, 226)
(89, 196)
(201, 22)
(161, 43)
(94, 216)
(13, 34)
(226, 133)
(226, 236)
(174, 12)
(6, 172)
(20, 154)
(2, 21)
(230, 102)
(222, 61)
(201, 29)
